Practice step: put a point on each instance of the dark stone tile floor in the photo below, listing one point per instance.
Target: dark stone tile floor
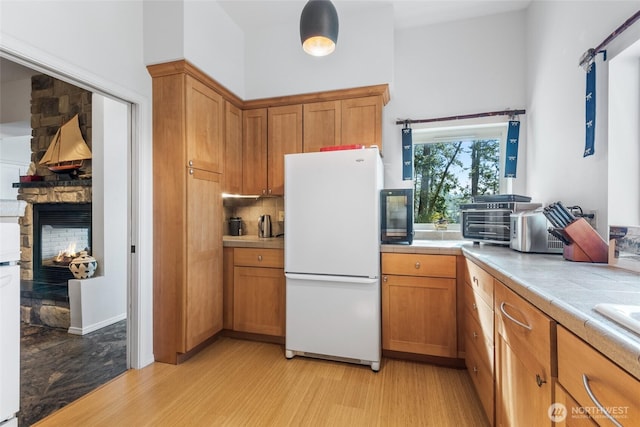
(57, 368)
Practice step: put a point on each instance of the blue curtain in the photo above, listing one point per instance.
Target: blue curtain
(511, 160)
(590, 109)
(407, 154)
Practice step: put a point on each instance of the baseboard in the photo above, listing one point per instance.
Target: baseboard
(94, 327)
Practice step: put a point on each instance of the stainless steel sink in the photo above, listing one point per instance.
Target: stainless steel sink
(626, 315)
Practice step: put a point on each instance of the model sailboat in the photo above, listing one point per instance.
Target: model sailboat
(67, 150)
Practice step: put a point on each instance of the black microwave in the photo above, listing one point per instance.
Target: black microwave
(396, 215)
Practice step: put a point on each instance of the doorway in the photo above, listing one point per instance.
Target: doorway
(112, 211)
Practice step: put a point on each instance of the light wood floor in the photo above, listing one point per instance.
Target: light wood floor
(244, 383)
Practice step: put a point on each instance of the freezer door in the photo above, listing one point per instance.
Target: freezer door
(332, 213)
(333, 316)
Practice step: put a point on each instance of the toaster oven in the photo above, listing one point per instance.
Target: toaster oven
(490, 221)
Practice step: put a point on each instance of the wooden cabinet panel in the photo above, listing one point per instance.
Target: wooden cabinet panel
(477, 337)
(419, 265)
(610, 385)
(480, 281)
(284, 137)
(482, 378)
(479, 312)
(572, 415)
(520, 399)
(419, 315)
(227, 288)
(322, 125)
(525, 341)
(259, 257)
(523, 326)
(362, 121)
(188, 130)
(203, 299)
(205, 126)
(259, 300)
(254, 151)
(233, 149)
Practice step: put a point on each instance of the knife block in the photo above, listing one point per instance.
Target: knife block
(586, 244)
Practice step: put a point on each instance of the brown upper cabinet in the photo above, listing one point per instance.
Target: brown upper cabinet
(285, 137)
(233, 149)
(343, 122)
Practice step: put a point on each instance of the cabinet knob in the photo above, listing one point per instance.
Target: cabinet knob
(384, 279)
(475, 307)
(539, 380)
(475, 335)
(475, 280)
(264, 191)
(259, 257)
(269, 191)
(417, 265)
(190, 163)
(190, 171)
(475, 369)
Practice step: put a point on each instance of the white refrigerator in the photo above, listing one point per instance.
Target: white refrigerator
(332, 255)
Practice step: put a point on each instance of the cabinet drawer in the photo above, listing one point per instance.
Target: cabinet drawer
(575, 416)
(259, 257)
(419, 265)
(480, 311)
(610, 385)
(474, 336)
(524, 328)
(482, 377)
(480, 281)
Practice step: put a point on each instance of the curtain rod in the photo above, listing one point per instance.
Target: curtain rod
(588, 56)
(465, 116)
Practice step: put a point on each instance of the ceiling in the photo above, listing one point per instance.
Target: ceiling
(248, 14)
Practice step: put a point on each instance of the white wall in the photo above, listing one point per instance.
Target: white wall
(200, 32)
(462, 67)
(276, 65)
(100, 47)
(558, 33)
(110, 190)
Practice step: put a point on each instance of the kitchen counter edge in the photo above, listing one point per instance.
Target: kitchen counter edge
(253, 242)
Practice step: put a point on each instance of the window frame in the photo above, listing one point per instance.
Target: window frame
(468, 129)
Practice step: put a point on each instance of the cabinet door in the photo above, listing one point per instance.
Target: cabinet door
(259, 300)
(322, 125)
(285, 137)
(362, 121)
(233, 149)
(254, 151)
(419, 315)
(520, 399)
(202, 302)
(205, 126)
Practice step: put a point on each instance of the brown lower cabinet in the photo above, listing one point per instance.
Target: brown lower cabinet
(419, 304)
(255, 301)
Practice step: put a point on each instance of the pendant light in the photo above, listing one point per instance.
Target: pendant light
(319, 27)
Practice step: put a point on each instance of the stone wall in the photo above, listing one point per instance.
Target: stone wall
(53, 103)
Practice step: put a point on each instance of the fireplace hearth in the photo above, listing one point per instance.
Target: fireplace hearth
(60, 232)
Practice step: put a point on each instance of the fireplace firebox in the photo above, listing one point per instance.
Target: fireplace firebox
(60, 232)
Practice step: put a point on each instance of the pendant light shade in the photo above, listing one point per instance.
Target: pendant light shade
(319, 27)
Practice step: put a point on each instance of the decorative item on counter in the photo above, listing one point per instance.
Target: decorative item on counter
(440, 222)
(84, 266)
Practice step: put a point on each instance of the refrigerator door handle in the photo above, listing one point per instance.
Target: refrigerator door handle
(341, 279)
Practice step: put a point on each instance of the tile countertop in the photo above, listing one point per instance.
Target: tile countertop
(253, 241)
(566, 291)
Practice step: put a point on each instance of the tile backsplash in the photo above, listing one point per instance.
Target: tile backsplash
(250, 210)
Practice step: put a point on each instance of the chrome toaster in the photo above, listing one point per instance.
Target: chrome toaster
(529, 233)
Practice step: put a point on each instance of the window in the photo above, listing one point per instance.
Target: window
(452, 164)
